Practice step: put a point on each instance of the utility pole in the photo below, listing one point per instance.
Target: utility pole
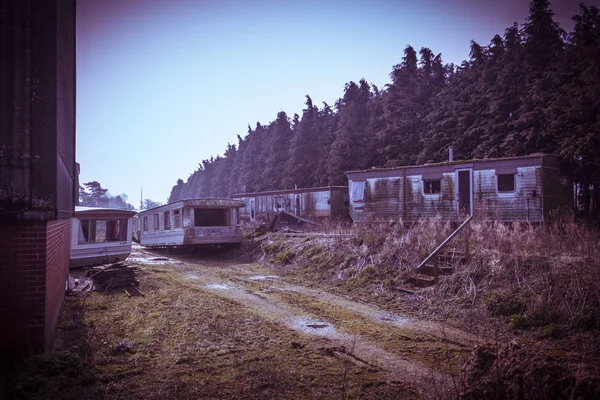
(141, 197)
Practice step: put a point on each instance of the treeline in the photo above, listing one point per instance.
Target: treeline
(92, 194)
(533, 89)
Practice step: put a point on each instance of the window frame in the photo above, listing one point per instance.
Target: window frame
(514, 183)
(428, 184)
(178, 218)
(156, 221)
(167, 220)
(353, 192)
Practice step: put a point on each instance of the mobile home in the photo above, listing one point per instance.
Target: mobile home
(508, 189)
(100, 235)
(192, 222)
(307, 203)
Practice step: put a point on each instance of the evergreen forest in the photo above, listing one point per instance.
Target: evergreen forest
(533, 89)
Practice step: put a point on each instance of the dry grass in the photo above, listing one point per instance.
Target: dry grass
(542, 278)
(535, 281)
(178, 342)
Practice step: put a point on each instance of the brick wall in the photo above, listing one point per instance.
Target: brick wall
(58, 251)
(34, 262)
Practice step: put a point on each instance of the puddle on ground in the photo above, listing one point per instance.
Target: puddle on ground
(393, 319)
(313, 327)
(262, 277)
(220, 286)
(192, 276)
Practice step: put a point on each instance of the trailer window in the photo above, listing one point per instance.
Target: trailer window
(210, 216)
(145, 223)
(167, 220)
(358, 191)
(99, 231)
(177, 218)
(155, 222)
(506, 182)
(433, 186)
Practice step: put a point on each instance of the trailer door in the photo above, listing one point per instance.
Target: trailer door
(465, 192)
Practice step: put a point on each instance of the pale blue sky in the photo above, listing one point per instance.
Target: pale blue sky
(164, 84)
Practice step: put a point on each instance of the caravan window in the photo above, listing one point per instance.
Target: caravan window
(145, 223)
(506, 182)
(99, 231)
(432, 186)
(177, 218)
(156, 222)
(167, 220)
(210, 217)
(358, 191)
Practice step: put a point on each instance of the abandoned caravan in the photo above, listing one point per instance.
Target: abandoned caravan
(100, 235)
(525, 188)
(309, 203)
(192, 222)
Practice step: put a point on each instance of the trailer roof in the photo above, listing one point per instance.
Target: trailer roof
(207, 202)
(102, 212)
(290, 191)
(516, 160)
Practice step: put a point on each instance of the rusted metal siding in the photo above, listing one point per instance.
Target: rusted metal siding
(37, 106)
(398, 193)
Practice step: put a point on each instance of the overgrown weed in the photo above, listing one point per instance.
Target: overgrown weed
(542, 278)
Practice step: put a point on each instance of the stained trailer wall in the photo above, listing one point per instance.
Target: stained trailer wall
(481, 187)
(324, 202)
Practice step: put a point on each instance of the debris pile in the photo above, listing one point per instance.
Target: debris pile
(116, 275)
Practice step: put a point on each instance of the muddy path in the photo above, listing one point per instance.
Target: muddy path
(422, 355)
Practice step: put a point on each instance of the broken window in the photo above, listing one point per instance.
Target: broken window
(99, 231)
(506, 182)
(145, 223)
(432, 186)
(177, 218)
(210, 216)
(167, 220)
(358, 191)
(156, 222)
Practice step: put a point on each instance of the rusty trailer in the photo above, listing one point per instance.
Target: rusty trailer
(192, 222)
(308, 203)
(524, 188)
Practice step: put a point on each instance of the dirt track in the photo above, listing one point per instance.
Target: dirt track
(211, 327)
